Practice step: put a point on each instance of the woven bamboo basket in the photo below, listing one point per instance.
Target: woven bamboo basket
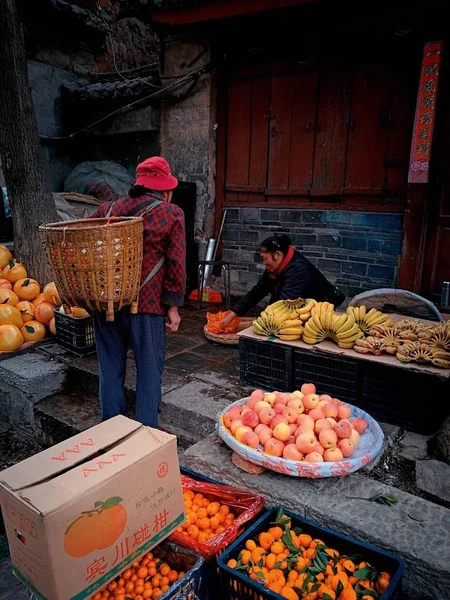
(229, 339)
(96, 263)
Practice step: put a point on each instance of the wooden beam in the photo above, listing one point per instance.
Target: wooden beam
(414, 229)
(221, 9)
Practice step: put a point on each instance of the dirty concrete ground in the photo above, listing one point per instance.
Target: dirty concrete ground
(193, 361)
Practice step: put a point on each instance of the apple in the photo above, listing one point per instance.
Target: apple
(276, 420)
(306, 442)
(346, 447)
(293, 428)
(231, 414)
(270, 398)
(240, 431)
(261, 427)
(328, 438)
(297, 404)
(330, 410)
(250, 438)
(308, 388)
(344, 411)
(257, 395)
(251, 419)
(314, 457)
(343, 430)
(325, 397)
(320, 449)
(305, 420)
(265, 435)
(332, 422)
(298, 393)
(321, 424)
(332, 455)
(266, 415)
(260, 405)
(291, 414)
(235, 425)
(290, 452)
(311, 401)
(359, 424)
(279, 408)
(316, 414)
(282, 432)
(274, 447)
(354, 436)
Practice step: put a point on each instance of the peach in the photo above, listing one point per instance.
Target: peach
(251, 419)
(274, 447)
(270, 398)
(308, 388)
(291, 414)
(298, 393)
(282, 432)
(305, 420)
(320, 449)
(332, 422)
(336, 401)
(297, 404)
(346, 447)
(344, 411)
(281, 398)
(265, 436)
(306, 442)
(235, 425)
(343, 430)
(359, 424)
(260, 405)
(316, 414)
(240, 431)
(276, 420)
(245, 409)
(303, 429)
(250, 439)
(322, 403)
(311, 401)
(354, 436)
(293, 427)
(321, 424)
(279, 407)
(314, 457)
(231, 414)
(332, 454)
(290, 452)
(257, 395)
(266, 415)
(328, 438)
(260, 428)
(330, 410)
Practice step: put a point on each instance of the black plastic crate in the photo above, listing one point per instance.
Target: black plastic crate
(266, 365)
(333, 375)
(402, 397)
(76, 334)
(238, 586)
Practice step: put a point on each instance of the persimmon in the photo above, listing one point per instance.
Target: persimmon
(6, 284)
(10, 338)
(14, 271)
(33, 331)
(27, 288)
(10, 315)
(5, 256)
(44, 312)
(8, 297)
(51, 294)
(26, 310)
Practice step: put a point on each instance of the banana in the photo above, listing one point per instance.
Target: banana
(346, 346)
(289, 338)
(362, 311)
(305, 316)
(292, 323)
(356, 313)
(354, 330)
(290, 331)
(309, 340)
(341, 320)
(350, 321)
(258, 329)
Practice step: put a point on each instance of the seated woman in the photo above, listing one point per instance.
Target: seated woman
(288, 275)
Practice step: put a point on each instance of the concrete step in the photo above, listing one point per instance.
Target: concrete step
(413, 528)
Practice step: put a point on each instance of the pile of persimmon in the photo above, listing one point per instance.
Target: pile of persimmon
(214, 325)
(205, 518)
(147, 578)
(298, 567)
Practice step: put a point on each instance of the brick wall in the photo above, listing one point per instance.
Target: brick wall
(356, 250)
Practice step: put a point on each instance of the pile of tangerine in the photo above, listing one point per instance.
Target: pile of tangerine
(204, 518)
(148, 578)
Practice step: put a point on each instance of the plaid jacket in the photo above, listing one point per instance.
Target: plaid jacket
(164, 235)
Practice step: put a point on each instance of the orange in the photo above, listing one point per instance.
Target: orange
(26, 309)
(112, 586)
(305, 540)
(224, 509)
(10, 315)
(193, 531)
(164, 569)
(10, 338)
(33, 331)
(265, 540)
(276, 532)
(8, 297)
(257, 554)
(5, 257)
(232, 563)
(213, 508)
(147, 593)
(142, 573)
(202, 513)
(126, 574)
(44, 312)
(129, 587)
(14, 271)
(250, 545)
(277, 547)
(340, 577)
(288, 592)
(214, 523)
(325, 589)
(181, 574)
(51, 294)
(27, 289)
(245, 557)
(203, 523)
(157, 593)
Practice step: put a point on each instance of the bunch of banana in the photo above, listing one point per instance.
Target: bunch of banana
(441, 359)
(369, 345)
(325, 323)
(292, 309)
(367, 320)
(266, 324)
(440, 339)
(290, 330)
(415, 352)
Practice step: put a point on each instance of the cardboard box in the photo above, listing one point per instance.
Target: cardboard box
(78, 513)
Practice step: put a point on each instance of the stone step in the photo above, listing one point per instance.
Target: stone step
(413, 528)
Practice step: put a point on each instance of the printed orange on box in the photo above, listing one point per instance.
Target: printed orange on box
(78, 513)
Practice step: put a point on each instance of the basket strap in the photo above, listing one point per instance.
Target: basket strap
(150, 206)
(153, 272)
(108, 214)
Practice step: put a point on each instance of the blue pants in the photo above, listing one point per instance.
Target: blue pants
(146, 336)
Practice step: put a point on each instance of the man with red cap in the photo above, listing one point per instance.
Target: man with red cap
(163, 286)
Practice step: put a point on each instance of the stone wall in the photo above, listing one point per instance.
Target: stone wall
(356, 250)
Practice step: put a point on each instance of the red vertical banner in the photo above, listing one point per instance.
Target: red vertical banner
(419, 162)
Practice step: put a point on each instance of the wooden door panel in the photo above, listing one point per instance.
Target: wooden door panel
(368, 130)
(331, 133)
(238, 143)
(441, 268)
(259, 132)
(280, 133)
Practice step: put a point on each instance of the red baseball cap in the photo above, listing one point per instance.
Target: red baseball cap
(154, 174)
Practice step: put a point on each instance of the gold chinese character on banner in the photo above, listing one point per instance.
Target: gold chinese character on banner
(432, 70)
(428, 102)
(426, 118)
(423, 148)
(429, 86)
(423, 134)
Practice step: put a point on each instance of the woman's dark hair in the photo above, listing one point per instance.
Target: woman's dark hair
(276, 243)
(136, 191)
